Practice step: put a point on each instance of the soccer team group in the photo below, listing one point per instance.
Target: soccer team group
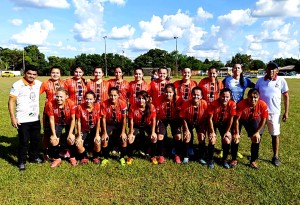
(84, 119)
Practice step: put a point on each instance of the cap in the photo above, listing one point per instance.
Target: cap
(272, 65)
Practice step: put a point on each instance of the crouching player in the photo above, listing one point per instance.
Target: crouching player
(61, 114)
(220, 116)
(88, 128)
(113, 117)
(194, 115)
(142, 118)
(252, 113)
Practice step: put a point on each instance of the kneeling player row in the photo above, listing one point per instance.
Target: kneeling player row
(98, 124)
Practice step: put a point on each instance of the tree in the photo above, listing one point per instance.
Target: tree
(243, 59)
(257, 64)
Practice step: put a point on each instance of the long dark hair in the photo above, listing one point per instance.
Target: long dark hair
(242, 80)
(217, 82)
(146, 96)
(171, 85)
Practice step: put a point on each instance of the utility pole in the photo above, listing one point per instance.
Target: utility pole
(176, 67)
(104, 37)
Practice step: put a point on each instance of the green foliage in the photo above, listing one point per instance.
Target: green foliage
(257, 64)
(144, 183)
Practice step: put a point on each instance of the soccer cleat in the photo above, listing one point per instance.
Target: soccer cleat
(233, 163)
(185, 160)
(22, 167)
(191, 151)
(129, 161)
(56, 163)
(161, 159)
(73, 161)
(84, 161)
(122, 161)
(96, 160)
(177, 159)
(253, 165)
(211, 165)
(239, 155)
(202, 161)
(104, 162)
(153, 160)
(226, 165)
(220, 154)
(275, 161)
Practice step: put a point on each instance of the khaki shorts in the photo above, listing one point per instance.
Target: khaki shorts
(273, 123)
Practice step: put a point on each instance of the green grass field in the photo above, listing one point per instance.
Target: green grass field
(144, 183)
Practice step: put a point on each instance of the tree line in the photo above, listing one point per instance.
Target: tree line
(13, 59)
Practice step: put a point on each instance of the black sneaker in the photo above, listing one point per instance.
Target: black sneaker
(275, 161)
(22, 167)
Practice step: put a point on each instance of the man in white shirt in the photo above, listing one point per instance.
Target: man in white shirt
(271, 88)
(23, 106)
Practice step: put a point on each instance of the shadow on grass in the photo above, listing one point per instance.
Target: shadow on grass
(9, 151)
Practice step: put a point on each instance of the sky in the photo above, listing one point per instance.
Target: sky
(212, 29)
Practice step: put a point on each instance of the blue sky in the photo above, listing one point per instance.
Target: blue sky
(217, 30)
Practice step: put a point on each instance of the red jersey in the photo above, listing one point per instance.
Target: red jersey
(183, 90)
(49, 87)
(122, 87)
(167, 110)
(245, 112)
(76, 90)
(210, 90)
(221, 114)
(61, 116)
(134, 88)
(194, 115)
(114, 114)
(157, 89)
(138, 116)
(100, 89)
(88, 119)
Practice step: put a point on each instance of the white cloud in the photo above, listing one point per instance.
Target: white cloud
(61, 4)
(272, 23)
(214, 30)
(89, 23)
(203, 15)
(123, 32)
(152, 27)
(144, 43)
(16, 22)
(276, 8)
(35, 33)
(255, 46)
(118, 2)
(238, 18)
(180, 20)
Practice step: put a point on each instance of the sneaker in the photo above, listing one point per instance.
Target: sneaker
(65, 153)
(239, 155)
(122, 161)
(185, 160)
(220, 154)
(84, 161)
(211, 165)
(104, 162)
(129, 161)
(202, 161)
(177, 159)
(153, 160)
(21, 166)
(96, 160)
(233, 163)
(73, 161)
(254, 165)
(56, 163)
(275, 161)
(161, 159)
(191, 151)
(225, 164)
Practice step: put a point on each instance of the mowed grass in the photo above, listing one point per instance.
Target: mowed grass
(144, 183)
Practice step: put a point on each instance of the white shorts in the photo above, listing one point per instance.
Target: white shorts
(273, 123)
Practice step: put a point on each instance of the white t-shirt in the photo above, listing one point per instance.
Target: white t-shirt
(27, 100)
(271, 91)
